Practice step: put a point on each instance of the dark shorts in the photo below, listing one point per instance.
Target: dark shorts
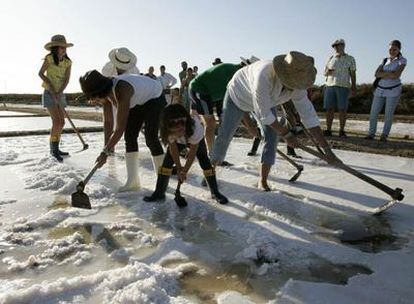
(202, 103)
(336, 98)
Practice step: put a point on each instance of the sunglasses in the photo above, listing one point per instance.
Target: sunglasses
(177, 122)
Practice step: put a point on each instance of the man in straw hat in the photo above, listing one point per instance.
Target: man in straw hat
(259, 88)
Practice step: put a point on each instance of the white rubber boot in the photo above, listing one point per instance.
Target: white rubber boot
(157, 163)
(132, 182)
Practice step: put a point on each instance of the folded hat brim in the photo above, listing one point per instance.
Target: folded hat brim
(292, 80)
(122, 66)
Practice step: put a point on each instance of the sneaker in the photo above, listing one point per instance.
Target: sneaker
(327, 133)
(342, 134)
(383, 138)
(369, 137)
(225, 164)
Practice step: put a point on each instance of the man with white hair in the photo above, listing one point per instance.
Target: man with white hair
(259, 88)
(340, 83)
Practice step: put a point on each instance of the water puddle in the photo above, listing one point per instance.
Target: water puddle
(204, 286)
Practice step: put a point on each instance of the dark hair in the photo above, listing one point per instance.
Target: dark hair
(54, 53)
(397, 43)
(175, 111)
(162, 67)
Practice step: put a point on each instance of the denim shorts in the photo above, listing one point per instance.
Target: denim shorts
(48, 101)
(336, 98)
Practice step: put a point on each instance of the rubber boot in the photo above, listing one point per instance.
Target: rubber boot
(256, 143)
(132, 183)
(61, 152)
(161, 187)
(54, 150)
(157, 163)
(212, 184)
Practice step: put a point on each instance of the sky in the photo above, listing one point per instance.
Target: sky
(167, 32)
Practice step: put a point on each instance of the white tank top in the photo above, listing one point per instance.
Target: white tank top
(144, 87)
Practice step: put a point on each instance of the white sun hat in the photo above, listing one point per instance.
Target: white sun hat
(295, 70)
(122, 58)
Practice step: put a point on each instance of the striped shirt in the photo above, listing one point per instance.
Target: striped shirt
(341, 66)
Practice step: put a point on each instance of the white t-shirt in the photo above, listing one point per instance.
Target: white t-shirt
(194, 139)
(144, 87)
(167, 80)
(256, 88)
(109, 70)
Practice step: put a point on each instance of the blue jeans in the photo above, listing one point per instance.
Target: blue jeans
(336, 98)
(376, 107)
(231, 119)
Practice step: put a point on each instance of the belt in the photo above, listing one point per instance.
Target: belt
(389, 88)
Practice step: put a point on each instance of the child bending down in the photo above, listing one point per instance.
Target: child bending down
(180, 130)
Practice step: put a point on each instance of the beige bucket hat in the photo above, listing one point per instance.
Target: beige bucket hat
(57, 40)
(122, 58)
(296, 70)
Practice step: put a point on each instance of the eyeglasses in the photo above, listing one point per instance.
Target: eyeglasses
(177, 121)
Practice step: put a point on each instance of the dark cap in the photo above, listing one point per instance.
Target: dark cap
(217, 61)
(93, 84)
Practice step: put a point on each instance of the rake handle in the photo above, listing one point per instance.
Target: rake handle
(394, 193)
(73, 126)
(289, 160)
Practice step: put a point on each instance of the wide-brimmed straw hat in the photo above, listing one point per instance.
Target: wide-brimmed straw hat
(338, 42)
(250, 60)
(93, 84)
(122, 58)
(57, 40)
(295, 70)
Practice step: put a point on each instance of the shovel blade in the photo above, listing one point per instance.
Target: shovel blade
(180, 201)
(81, 200)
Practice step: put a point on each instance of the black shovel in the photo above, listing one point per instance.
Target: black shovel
(79, 198)
(293, 163)
(179, 200)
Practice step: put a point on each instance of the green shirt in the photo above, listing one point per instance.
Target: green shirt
(213, 82)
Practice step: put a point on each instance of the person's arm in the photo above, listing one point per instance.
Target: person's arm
(327, 72)
(108, 121)
(123, 92)
(352, 73)
(190, 159)
(395, 74)
(42, 75)
(175, 155)
(173, 81)
(65, 83)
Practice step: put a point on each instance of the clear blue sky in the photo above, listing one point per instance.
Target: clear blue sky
(166, 32)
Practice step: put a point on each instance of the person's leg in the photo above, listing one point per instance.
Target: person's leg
(209, 173)
(342, 98)
(55, 131)
(232, 116)
(62, 122)
(329, 105)
(209, 122)
(163, 179)
(390, 105)
(153, 109)
(268, 156)
(134, 124)
(219, 109)
(376, 107)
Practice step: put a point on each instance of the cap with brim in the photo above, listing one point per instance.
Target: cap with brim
(217, 61)
(338, 42)
(57, 40)
(295, 70)
(122, 58)
(93, 84)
